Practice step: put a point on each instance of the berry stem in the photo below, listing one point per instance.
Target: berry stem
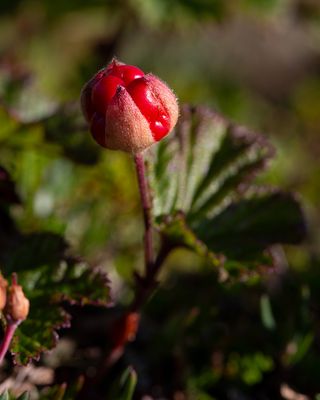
(146, 208)
(147, 284)
(10, 330)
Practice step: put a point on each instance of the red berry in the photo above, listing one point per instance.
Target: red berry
(128, 110)
(160, 126)
(150, 107)
(127, 73)
(88, 108)
(97, 128)
(103, 92)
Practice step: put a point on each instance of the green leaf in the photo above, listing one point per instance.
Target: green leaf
(38, 332)
(49, 278)
(58, 392)
(4, 396)
(302, 344)
(266, 312)
(24, 396)
(128, 383)
(7, 124)
(28, 252)
(247, 227)
(7, 396)
(124, 388)
(63, 392)
(203, 198)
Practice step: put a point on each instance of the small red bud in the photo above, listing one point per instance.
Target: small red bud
(126, 109)
(17, 305)
(3, 292)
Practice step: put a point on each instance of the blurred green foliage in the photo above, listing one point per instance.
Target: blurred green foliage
(255, 61)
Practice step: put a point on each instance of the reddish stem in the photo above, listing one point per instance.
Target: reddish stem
(10, 330)
(147, 283)
(146, 208)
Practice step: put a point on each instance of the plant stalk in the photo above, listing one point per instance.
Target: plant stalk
(4, 346)
(148, 284)
(146, 209)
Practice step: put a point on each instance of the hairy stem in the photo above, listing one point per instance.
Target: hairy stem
(146, 208)
(10, 330)
(146, 284)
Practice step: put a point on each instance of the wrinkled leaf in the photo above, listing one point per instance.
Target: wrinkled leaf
(247, 227)
(49, 278)
(38, 332)
(203, 198)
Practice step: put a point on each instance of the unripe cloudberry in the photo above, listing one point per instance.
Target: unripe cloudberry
(127, 109)
(17, 304)
(3, 292)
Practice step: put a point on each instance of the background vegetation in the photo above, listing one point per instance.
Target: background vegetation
(255, 61)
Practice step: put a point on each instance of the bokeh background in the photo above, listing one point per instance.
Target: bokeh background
(255, 61)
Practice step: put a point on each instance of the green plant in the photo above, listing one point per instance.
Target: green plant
(198, 192)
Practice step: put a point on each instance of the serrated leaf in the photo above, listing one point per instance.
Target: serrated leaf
(38, 333)
(78, 283)
(200, 176)
(204, 162)
(245, 228)
(49, 278)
